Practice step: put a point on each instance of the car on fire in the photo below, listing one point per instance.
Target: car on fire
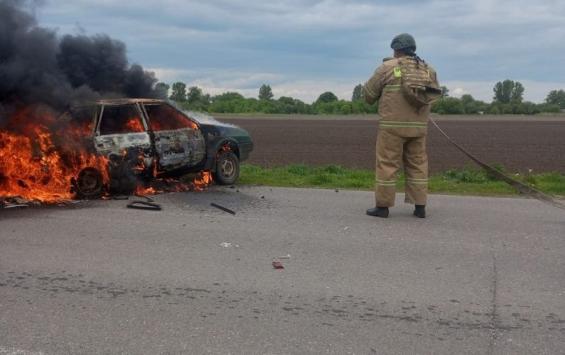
(147, 138)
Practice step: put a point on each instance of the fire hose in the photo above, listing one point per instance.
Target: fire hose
(519, 186)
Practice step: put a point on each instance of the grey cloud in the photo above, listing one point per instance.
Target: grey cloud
(479, 40)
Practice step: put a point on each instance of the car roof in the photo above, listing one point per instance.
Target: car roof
(125, 101)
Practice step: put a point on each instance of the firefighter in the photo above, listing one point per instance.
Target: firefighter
(401, 137)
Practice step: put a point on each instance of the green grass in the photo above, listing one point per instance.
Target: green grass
(468, 181)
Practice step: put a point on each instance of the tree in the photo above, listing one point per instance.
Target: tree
(449, 106)
(358, 93)
(265, 92)
(162, 90)
(196, 100)
(556, 97)
(179, 92)
(227, 96)
(469, 104)
(287, 104)
(444, 91)
(194, 94)
(327, 97)
(550, 108)
(518, 93)
(508, 91)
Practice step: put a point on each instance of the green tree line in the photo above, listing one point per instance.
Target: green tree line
(507, 99)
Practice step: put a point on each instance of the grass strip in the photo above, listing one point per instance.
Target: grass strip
(467, 181)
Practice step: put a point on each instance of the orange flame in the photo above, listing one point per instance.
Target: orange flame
(134, 125)
(142, 191)
(199, 183)
(170, 122)
(34, 167)
(39, 157)
(203, 180)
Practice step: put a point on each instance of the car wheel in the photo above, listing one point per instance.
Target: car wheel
(227, 168)
(89, 183)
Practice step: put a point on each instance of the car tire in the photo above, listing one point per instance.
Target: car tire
(227, 168)
(89, 184)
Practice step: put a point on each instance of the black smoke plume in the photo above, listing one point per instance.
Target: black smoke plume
(39, 67)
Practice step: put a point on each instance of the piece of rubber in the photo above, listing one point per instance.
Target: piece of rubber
(144, 205)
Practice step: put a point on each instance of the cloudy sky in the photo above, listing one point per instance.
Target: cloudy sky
(304, 47)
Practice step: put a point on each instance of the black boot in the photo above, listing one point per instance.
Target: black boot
(420, 211)
(378, 212)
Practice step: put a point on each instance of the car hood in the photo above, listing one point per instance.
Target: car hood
(210, 124)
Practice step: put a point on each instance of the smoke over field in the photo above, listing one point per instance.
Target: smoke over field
(39, 67)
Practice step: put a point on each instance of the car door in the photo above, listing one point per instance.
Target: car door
(119, 128)
(178, 140)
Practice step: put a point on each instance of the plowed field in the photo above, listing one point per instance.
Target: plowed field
(518, 145)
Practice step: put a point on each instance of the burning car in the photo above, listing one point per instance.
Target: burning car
(145, 139)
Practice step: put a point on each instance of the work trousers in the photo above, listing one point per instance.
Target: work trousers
(392, 152)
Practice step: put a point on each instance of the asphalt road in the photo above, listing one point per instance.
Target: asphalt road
(518, 144)
(479, 276)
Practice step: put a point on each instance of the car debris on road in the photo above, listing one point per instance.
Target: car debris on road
(144, 205)
(222, 208)
(277, 264)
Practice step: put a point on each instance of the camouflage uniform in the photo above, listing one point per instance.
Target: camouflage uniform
(401, 135)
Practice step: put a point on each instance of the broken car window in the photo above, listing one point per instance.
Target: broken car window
(165, 117)
(121, 119)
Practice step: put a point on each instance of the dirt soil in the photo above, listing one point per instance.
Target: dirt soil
(518, 145)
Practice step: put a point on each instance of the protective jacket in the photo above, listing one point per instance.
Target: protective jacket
(398, 115)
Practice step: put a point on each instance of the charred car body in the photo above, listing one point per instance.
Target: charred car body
(147, 138)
